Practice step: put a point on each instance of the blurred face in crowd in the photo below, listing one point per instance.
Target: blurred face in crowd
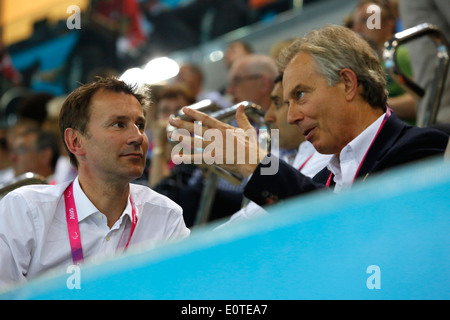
(289, 136)
(190, 77)
(246, 85)
(24, 155)
(168, 106)
(234, 51)
(376, 36)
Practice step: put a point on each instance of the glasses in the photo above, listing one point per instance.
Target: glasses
(238, 80)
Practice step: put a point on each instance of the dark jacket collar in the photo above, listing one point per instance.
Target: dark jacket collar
(389, 134)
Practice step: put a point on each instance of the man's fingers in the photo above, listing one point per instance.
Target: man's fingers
(242, 119)
(209, 122)
(205, 119)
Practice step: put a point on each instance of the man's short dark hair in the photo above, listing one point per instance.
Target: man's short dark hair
(75, 111)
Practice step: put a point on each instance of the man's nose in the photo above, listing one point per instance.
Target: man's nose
(136, 135)
(269, 116)
(294, 115)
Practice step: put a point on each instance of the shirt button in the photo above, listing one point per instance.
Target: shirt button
(107, 238)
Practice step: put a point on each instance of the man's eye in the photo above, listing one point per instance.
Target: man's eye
(300, 94)
(118, 124)
(279, 104)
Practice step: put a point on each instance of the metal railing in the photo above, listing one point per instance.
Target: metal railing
(430, 97)
(20, 181)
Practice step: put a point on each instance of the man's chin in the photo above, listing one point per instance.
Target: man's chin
(135, 174)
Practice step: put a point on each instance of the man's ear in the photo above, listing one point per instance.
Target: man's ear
(74, 141)
(350, 83)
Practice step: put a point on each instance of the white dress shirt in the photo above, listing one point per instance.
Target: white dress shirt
(34, 235)
(345, 166)
(311, 160)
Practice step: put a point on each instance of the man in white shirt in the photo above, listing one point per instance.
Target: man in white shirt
(336, 92)
(102, 125)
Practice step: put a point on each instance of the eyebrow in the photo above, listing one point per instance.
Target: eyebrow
(125, 118)
(275, 97)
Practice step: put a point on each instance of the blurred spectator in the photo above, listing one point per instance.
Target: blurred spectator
(64, 170)
(276, 48)
(34, 107)
(192, 76)
(122, 17)
(251, 78)
(235, 50)
(20, 127)
(402, 102)
(423, 51)
(35, 151)
(171, 99)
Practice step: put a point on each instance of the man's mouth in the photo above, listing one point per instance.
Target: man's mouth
(134, 155)
(307, 132)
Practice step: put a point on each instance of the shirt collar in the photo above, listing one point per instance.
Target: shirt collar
(357, 148)
(305, 150)
(86, 208)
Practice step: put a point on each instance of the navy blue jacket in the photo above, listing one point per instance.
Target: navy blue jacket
(396, 144)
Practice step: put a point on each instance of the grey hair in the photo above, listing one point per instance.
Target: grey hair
(334, 48)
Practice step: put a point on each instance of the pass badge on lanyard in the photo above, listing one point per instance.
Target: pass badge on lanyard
(74, 229)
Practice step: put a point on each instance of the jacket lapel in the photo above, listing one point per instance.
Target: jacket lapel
(388, 135)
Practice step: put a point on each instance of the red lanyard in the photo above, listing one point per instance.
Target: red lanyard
(74, 229)
(388, 114)
(304, 163)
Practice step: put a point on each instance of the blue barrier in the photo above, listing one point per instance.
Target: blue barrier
(387, 238)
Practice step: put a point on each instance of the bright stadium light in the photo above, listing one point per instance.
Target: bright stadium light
(133, 76)
(160, 69)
